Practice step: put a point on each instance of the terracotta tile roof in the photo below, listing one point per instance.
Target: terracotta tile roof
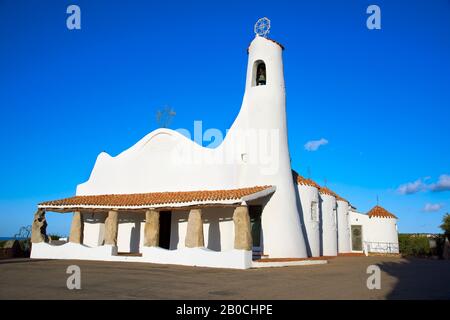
(381, 212)
(303, 181)
(155, 198)
(325, 190)
(308, 182)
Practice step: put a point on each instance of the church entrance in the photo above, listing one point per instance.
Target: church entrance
(255, 224)
(165, 222)
(357, 238)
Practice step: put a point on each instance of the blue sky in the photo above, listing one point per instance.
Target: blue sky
(380, 98)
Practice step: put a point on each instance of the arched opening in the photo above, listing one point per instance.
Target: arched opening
(259, 73)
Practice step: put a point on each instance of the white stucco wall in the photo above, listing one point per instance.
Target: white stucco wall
(263, 113)
(236, 259)
(343, 226)
(356, 218)
(329, 226)
(383, 235)
(254, 152)
(218, 229)
(308, 195)
(377, 231)
(93, 229)
(130, 235)
(164, 160)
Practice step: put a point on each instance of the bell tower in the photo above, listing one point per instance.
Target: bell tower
(265, 158)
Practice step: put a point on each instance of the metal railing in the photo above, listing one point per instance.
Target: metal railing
(381, 247)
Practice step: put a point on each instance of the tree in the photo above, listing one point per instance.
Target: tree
(445, 226)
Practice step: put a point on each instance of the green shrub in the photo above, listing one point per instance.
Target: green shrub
(54, 236)
(414, 245)
(25, 245)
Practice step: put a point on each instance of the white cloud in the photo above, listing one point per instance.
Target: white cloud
(443, 183)
(411, 187)
(313, 145)
(432, 207)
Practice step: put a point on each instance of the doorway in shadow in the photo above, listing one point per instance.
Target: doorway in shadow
(165, 222)
(255, 212)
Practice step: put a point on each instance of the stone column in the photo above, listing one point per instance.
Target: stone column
(76, 229)
(151, 231)
(194, 234)
(111, 227)
(39, 227)
(242, 229)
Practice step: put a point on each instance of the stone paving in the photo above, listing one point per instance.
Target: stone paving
(341, 278)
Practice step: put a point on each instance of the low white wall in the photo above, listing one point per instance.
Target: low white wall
(70, 250)
(257, 264)
(202, 257)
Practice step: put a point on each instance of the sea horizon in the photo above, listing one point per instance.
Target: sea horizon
(9, 238)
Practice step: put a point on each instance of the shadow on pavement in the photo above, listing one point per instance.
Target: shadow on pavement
(419, 278)
(21, 260)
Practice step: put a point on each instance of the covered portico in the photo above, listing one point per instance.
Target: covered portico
(153, 207)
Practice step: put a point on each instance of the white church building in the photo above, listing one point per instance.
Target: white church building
(169, 200)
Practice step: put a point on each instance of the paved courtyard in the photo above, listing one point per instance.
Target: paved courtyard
(342, 278)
